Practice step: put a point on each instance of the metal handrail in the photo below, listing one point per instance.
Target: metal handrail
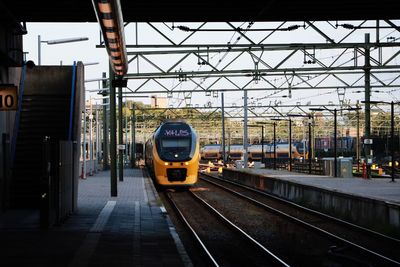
(18, 114)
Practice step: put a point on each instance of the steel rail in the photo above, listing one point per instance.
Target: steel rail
(311, 211)
(239, 230)
(310, 226)
(192, 231)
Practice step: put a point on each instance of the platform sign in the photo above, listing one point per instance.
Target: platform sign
(368, 141)
(8, 97)
(121, 147)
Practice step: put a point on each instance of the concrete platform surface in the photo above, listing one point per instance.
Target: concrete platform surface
(128, 230)
(380, 189)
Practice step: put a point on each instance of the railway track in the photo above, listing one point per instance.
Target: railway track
(349, 242)
(222, 242)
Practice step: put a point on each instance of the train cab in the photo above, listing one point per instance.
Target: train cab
(172, 154)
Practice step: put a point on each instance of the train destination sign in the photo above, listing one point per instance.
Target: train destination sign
(8, 97)
(176, 133)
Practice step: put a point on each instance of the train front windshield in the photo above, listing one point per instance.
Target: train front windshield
(175, 144)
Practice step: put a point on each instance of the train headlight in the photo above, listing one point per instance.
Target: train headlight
(186, 163)
(166, 163)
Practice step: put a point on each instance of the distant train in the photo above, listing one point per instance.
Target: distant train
(211, 152)
(282, 151)
(343, 144)
(214, 152)
(172, 155)
(236, 152)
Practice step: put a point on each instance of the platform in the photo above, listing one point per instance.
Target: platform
(373, 203)
(128, 230)
(376, 188)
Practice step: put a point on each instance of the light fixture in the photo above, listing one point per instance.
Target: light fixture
(105, 8)
(109, 16)
(57, 41)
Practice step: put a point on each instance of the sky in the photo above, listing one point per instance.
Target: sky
(67, 53)
(87, 52)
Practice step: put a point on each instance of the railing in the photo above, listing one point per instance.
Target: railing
(304, 167)
(317, 167)
(18, 114)
(71, 111)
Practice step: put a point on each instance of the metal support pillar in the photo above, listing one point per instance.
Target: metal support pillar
(113, 137)
(126, 137)
(367, 71)
(245, 146)
(335, 142)
(84, 145)
(313, 138)
(97, 139)
(274, 145)
(309, 145)
(120, 137)
(392, 138)
(106, 165)
(91, 138)
(133, 135)
(262, 144)
(39, 50)
(290, 144)
(358, 139)
(223, 130)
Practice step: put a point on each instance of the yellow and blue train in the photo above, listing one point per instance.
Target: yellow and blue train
(172, 155)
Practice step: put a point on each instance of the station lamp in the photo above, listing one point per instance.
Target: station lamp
(57, 41)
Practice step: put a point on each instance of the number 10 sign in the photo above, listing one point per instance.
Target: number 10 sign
(8, 97)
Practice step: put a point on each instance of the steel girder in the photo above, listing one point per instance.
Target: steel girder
(256, 58)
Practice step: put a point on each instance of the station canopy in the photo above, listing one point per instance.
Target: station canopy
(207, 10)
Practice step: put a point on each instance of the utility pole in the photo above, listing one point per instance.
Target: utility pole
(367, 99)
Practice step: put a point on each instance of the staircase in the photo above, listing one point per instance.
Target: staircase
(41, 115)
